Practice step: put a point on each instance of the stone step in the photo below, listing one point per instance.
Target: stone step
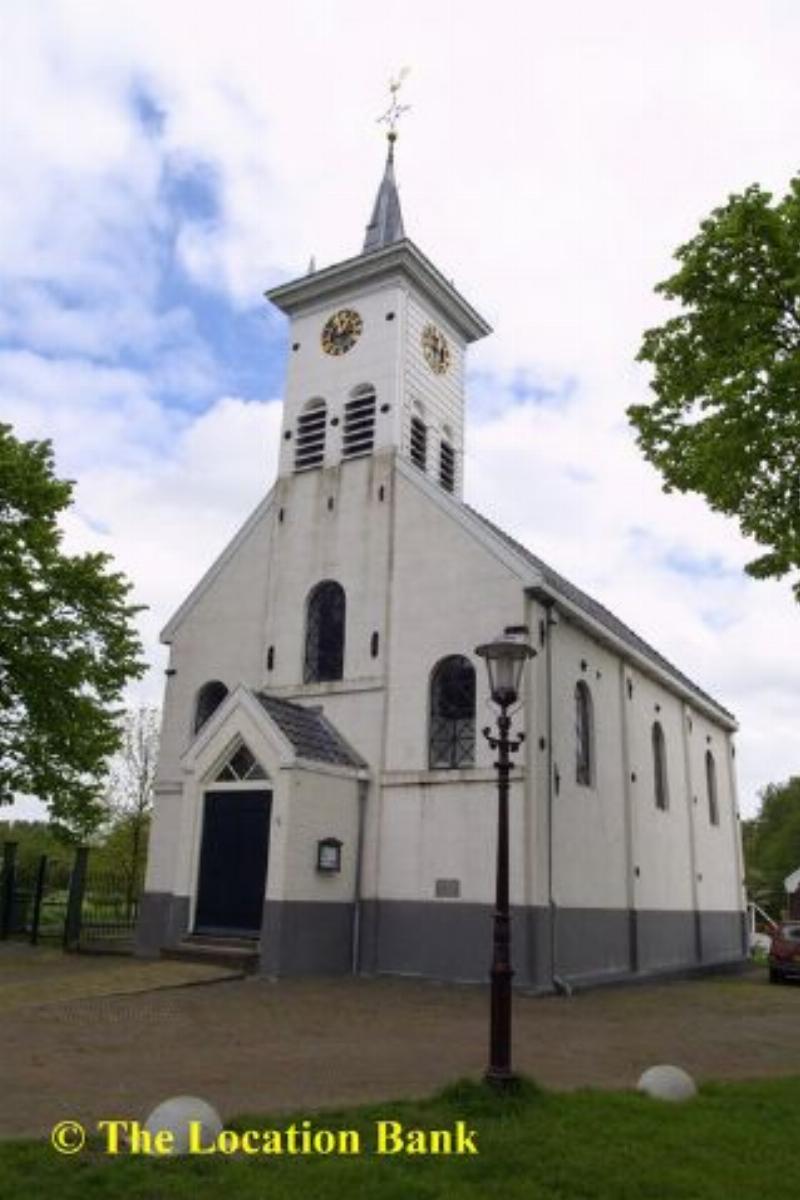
(237, 954)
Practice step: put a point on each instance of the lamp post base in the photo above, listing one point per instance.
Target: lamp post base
(501, 1081)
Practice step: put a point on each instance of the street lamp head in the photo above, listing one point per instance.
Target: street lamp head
(505, 661)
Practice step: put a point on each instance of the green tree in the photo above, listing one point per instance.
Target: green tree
(129, 798)
(772, 843)
(726, 418)
(34, 838)
(67, 646)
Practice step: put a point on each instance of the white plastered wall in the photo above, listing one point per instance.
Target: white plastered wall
(589, 847)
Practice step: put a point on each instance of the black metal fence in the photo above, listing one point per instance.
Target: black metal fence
(73, 903)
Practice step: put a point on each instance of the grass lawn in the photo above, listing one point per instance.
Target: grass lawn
(734, 1140)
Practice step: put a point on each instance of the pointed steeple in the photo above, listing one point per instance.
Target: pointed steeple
(386, 224)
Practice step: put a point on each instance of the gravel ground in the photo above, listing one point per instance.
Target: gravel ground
(255, 1046)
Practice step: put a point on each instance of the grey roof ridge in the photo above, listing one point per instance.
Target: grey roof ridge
(594, 608)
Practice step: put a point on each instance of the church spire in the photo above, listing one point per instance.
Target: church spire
(386, 225)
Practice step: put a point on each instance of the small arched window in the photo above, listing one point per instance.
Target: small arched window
(584, 734)
(452, 713)
(660, 767)
(359, 422)
(310, 444)
(325, 622)
(447, 466)
(711, 788)
(209, 698)
(419, 442)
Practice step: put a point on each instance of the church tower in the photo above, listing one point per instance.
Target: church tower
(377, 349)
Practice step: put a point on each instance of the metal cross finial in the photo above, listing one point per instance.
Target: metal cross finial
(395, 110)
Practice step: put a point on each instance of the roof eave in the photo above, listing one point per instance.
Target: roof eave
(545, 593)
(403, 256)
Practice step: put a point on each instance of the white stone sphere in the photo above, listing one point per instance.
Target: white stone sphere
(667, 1083)
(175, 1115)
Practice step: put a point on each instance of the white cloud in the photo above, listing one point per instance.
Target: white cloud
(552, 161)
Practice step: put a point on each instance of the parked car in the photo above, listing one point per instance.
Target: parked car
(784, 952)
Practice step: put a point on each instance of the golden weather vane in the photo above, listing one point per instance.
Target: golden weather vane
(395, 110)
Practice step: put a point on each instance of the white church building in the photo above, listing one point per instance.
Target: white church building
(324, 793)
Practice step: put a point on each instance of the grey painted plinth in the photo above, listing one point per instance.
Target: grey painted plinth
(304, 937)
(163, 920)
(438, 940)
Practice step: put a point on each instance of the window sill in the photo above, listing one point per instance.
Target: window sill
(442, 776)
(301, 691)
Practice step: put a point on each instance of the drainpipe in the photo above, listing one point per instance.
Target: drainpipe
(550, 621)
(355, 951)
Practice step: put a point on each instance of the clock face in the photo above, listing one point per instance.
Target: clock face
(341, 331)
(435, 349)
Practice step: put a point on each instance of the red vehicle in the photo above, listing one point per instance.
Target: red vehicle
(784, 952)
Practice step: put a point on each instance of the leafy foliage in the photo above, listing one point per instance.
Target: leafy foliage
(726, 418)
(67, 645)
(35, 838)
(772, 843)
(129, 797)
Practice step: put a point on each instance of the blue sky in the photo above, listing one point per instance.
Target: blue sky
(163, 165)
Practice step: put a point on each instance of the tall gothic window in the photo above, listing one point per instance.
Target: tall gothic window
(584, 734)
(309, 450)
(208, 700)
(325, 620)
(660, 767)
(452, 713)
(711, 788)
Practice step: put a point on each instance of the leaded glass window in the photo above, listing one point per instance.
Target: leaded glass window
(209, 698)
(325, 623)
(583, 734)
(452, 714)
(241, 765)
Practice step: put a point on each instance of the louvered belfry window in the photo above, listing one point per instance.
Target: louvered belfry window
(359, 423)
(452, 714)
(419, 443)
(447, 467)
(309, 448)
(325, 625)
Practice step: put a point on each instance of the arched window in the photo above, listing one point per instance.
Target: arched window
(419, 442)
(452, 713)
(660, 767)
(208, 700)
(309, 448)
(359, 422)
(447, 466)
(325, 619)
(711, 788)
(584, 734)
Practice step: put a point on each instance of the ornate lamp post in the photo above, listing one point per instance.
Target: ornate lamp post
(505, 659)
